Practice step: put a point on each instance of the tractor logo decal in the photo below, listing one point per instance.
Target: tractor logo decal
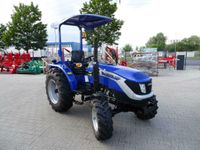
(109, 75)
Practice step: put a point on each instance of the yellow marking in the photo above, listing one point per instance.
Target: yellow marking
(89, 73)
(78, 65)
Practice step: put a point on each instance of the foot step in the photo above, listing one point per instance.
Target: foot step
(78, 102)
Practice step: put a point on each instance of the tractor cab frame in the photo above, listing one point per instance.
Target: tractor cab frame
(87, 22)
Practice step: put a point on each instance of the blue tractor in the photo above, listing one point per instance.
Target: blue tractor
(111, 89)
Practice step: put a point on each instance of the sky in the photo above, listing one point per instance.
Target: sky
(143, 19)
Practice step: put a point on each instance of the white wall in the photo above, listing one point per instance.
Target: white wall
(189, 54)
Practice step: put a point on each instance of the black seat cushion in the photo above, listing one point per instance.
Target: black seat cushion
(77, 56)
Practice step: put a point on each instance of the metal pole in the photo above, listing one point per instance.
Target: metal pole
(96, 67)
(55, 38)
(81, 40)
(186, 60)
(175, 53)
(60, 53)
(175, 47)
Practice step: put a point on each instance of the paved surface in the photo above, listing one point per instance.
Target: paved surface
(193, 62)
(28, 122)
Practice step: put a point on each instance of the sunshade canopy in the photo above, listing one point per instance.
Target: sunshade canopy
(87, 21)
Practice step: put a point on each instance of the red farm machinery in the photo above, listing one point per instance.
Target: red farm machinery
(9, 62)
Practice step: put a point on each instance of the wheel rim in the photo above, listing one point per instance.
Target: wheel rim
(53, 91)
(95, 120)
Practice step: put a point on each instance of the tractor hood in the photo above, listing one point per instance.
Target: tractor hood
(126, 72)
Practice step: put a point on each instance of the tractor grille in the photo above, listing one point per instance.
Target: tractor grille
(134, 86)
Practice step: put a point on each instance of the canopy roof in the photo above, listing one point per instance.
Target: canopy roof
(87, 21)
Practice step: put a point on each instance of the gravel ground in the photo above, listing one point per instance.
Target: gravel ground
(28, 122)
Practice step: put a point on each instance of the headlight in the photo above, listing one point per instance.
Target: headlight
(142, 88)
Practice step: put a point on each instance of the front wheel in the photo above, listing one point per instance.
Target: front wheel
(102, 120)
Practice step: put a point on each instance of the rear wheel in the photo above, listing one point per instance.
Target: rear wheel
(148, 111)
(102, 119)
(58, 90)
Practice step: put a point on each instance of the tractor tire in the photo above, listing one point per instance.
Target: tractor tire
(148, 111)
(102, 120)
(58, 90)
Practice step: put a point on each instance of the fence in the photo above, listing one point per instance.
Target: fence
(147, 62)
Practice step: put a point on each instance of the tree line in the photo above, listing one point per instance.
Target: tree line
(186, 44)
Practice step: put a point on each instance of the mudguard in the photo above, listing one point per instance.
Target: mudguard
(68, 73)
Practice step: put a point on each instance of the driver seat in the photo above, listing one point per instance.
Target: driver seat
(78, 57)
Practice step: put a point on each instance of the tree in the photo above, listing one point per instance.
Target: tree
(170, 47)
(194, 43)
(158, 41)
(127, 48)
(107, 33)
(186, 44)
(2, 30)
(26, 30)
